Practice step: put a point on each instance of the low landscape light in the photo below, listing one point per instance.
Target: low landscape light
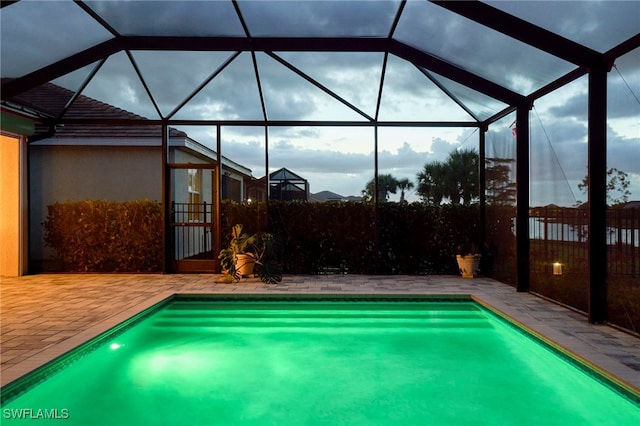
(557, 268)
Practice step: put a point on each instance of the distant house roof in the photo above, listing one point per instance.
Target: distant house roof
(286, 185)
(284, 174)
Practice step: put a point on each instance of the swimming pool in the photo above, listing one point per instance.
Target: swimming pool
(369, 362)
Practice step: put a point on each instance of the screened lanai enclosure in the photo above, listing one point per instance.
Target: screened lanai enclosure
(161, 121)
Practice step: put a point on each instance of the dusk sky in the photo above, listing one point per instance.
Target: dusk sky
(340, 159)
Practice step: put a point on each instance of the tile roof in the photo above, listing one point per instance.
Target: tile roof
(50, 100)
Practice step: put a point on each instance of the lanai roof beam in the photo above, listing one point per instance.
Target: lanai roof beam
(522, 30)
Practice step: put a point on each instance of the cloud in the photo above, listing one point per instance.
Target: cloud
(624, 154)
(57, 30)
(183, 73)
(404, 162)
(354, 76)
(35, 34)
(559, 157)
(319, 18)
(284, 153)
(476, 48)
(170, 17)
(621, 102)
(573, 107)
(441, 148)
(586, 22)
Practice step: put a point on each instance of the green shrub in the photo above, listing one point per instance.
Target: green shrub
(101, 236)
(321, 236)
(352, 237)
(106, 236)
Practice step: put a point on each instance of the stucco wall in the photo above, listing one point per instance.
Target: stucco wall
(13, 259)
(76, 173)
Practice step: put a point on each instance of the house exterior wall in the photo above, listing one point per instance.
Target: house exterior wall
(13, 209)
(76, 173)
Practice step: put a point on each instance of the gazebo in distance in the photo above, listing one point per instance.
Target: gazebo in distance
(284, 185)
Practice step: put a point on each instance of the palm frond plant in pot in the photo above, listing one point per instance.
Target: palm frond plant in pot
(468, 257)
(250, 254)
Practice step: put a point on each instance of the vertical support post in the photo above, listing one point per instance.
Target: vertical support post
(522, 198)
(597, 165)
(482, 184)
(205, 246)
(266, 174)
(545, 235)
(166, 197)
(376, 201)
(376, 184)
(217, 218)
(632, 243)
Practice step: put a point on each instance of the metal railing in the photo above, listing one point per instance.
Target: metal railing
(192, 225)
(561, 235)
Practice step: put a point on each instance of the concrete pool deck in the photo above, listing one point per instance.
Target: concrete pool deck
(44, 316)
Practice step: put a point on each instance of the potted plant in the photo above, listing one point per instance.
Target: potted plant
(248, 254)
(468, 257)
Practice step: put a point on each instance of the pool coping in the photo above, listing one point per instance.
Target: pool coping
(583, 362)
(49, 355)
(607, 370)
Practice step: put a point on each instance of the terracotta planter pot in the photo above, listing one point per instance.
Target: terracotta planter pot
(245, 264)
(468, 265)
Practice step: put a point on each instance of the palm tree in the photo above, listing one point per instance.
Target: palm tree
(462, 175)
(455, 179)
(431, 182)
(386, 184)
(404, 185)
(501, 189)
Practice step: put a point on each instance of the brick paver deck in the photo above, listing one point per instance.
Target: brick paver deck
(44, 316)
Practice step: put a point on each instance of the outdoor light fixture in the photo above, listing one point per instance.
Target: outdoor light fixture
(557, 268)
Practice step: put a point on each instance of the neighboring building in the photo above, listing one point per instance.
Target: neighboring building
(284, 185)
(631, 205)
(116, 163)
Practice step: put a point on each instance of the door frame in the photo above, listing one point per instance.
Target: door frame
(193, 265)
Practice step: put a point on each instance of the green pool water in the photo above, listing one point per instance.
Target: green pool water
(320, 363)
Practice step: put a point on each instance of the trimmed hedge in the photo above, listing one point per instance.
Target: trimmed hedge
(103, 236)
(106, 236)
(343, 236)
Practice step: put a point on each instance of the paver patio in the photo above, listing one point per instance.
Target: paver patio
(44, 316)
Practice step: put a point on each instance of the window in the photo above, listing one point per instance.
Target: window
(231, 188)
(195, 183)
